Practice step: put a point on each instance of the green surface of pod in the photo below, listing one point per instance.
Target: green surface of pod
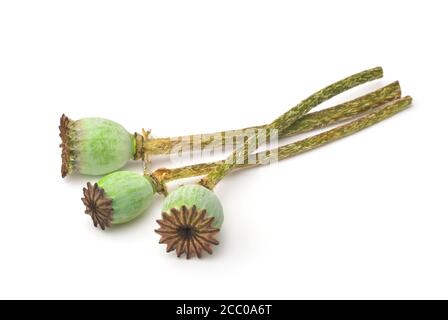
(101, 146)
(131, 194)
(201, 197)
(94, 146)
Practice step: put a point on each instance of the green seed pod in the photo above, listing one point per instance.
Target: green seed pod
(94, 146)
(191, 218)
(117, 198)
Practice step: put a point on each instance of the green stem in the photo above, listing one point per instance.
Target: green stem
(345, 111)
(293, 125)
(287, 119)
(163, 176)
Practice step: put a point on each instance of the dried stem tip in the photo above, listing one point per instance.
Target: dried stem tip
(187, 231)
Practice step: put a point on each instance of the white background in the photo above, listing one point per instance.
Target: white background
(365, 217)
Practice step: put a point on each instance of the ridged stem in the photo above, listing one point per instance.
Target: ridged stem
(292, 122)
(285, 120)
(163, 176)
(315, 120)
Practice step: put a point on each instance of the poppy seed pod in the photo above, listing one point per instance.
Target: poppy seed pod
(117, 198)
(191, 218)
(97, 146)
(94, 146)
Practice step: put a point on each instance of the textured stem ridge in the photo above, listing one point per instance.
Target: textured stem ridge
(159, 146)
(345, 130)
(344, 111)
(309, 122)
(284, 121)
(296, 148)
